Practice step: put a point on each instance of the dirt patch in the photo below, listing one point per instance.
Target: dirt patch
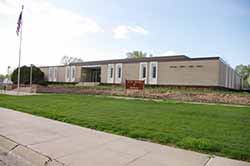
(204, 97)
(208, 97)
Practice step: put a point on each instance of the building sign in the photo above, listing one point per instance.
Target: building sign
(134, 84)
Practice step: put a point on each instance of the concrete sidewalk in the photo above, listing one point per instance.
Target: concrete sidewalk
(16, 93)
(30, 140)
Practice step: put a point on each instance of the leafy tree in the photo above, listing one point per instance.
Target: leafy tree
(137, 54)
(244, 71)
(37, 75)
(2, 77)
(66, 60)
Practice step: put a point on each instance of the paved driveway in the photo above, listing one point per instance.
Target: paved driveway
(31, 140)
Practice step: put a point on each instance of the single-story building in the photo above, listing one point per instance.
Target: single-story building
(178, 70)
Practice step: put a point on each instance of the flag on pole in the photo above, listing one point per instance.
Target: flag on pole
(19, 22)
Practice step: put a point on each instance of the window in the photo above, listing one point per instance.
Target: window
(199, 66)
(111, 72)
(144, 72)
(119, 72)
(154, 72)
(173, 66)
(73, 73)
(191, 66)
(182, 66)
(68, 73)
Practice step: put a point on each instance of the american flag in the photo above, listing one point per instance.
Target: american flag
(19, 22)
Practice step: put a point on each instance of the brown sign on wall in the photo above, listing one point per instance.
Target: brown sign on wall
(134, 84)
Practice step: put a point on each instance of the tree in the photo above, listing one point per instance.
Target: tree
(137, 54)
(37, 75)
(2, 77)
(66, 60)
(244, 71)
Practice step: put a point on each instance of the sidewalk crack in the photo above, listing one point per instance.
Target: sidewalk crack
(137, 158)
(13, 148)
(208, 160)
(47, 162)
(51, 160)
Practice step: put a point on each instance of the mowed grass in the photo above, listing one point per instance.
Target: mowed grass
(213, 129)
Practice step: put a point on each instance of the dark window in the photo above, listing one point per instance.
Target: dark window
(191, 66)
(73, 72)
(173, 66)
(199, 66)
(111, 72)
(144, 72)
(119, 72)
(182, 66)
(154, 72)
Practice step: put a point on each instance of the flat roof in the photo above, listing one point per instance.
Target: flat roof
(146, 59)
(136, 60)
(52, 66)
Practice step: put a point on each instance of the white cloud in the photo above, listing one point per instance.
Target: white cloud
(49, 32)
(124, 31)
(168, 53)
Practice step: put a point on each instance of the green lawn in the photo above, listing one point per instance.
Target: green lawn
(214, 129)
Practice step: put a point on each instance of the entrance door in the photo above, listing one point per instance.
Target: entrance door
(91, 74)
(95, 75)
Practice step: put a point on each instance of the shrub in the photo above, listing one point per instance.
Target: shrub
(37, 75)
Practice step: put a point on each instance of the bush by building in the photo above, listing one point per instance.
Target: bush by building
(37, 75)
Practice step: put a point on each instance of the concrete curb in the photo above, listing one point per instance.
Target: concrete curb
(13, 154)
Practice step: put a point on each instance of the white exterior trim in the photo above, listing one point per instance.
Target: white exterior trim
(110, 79)
(72, 73)
(143, 64)
(55, 74)
(226, 79)
(151, 79)
(50, 74)
(117, 79)
(91, 66)
(67, 73)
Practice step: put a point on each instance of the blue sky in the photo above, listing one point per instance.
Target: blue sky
(161, 27)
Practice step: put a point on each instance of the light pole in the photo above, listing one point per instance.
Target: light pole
(8, 73)
(31, 76)
(242, 83)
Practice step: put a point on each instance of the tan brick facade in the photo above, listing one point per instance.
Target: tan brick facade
(197, 73)
(187, 72)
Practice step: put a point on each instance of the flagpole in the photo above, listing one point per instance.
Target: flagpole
(20, 53)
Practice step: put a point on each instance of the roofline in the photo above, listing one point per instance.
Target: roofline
(137, 60)
(206, 58)
(228, 65)
(52, 66)
(134, 60)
